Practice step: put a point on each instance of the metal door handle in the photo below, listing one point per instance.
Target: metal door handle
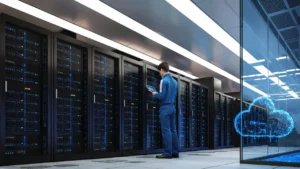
(94, 98)
(124, 103)
(147, 106)
(5, 86)
(56, 93)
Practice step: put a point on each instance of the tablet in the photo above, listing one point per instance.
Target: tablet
(151, 88)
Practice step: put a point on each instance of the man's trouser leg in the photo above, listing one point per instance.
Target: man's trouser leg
(164, 116)
(175, 142)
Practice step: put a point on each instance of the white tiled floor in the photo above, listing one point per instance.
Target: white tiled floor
(213, 159)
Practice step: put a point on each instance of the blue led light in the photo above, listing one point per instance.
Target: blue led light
(279, 123)
(289, 158)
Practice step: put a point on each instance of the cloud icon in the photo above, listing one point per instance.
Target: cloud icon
(275, 123)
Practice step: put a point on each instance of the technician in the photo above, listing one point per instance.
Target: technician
(167, 112)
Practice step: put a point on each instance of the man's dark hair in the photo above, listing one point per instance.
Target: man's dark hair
(164, 66)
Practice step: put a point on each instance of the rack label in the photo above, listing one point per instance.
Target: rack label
(72, 95)
(27, 88)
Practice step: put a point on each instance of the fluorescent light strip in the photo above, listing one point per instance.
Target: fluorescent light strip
(16, 4)
(281, 58)
(196, 15)
(122, 19)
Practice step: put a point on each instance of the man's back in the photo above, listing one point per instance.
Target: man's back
(168, 87)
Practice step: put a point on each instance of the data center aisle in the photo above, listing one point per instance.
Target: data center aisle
(213, 159)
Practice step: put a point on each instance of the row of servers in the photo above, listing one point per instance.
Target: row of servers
(222, 121)
(66, 100)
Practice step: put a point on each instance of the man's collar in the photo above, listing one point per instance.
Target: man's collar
(167, 74)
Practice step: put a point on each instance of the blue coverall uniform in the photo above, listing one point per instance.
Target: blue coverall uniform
(167, 115)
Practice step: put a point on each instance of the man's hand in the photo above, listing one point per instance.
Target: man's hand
(153, 93)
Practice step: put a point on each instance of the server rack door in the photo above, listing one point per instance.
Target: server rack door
(229, 121)
(196, 117)
(184, 128)
(25, 118)
(154, 142)
(204, 118)
(223, 122)
(71, 103)
(106, 104)
(217, 121)
(133, 106)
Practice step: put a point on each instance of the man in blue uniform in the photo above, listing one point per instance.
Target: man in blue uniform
(167, 112)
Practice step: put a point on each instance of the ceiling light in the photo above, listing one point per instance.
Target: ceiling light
(21, 6)
(196, 15)
(122, 19)
(281, 58)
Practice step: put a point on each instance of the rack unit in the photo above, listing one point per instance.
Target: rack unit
(223, 121)
(184, 114)
(71, 135)
(24, 75)
(133, 116)
(106, 103)
(154, 141)
(199, 117)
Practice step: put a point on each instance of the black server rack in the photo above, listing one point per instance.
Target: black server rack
(204, 118)
(133, 136)
(217, 121)
(199, 117)
(25, 58)
(223, 121)
(230, 115)
(154, 140)
(105, 117)
(184, 114)
(71, 119)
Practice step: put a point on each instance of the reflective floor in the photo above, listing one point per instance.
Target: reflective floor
(214, 159)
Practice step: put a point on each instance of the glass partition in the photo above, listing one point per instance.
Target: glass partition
(269, 121)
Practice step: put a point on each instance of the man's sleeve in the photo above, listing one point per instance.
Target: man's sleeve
(162, 90)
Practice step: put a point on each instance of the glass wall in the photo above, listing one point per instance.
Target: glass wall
(269, 121)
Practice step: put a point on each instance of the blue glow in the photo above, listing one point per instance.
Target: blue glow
(278, 124)
(289, 158)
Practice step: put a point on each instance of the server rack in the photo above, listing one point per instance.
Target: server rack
(25, 59)
(199, 117)
(154, 140)
(105, 116)
(71, 122)
(223, 121)
(133, 135)
(229, 119)
(184, 114)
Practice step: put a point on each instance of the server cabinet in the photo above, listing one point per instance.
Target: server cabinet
(25, 59)
(70, 123)
(217, 121)
(154, 140)
(199, 117)
(133, 136)
(230, 115)
(223, 121)
(105, 117)
(184, 114)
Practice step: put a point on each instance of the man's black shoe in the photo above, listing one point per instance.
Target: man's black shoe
(163, 156)
(175, 155)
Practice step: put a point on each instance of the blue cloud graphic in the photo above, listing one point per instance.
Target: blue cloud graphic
(278, 124)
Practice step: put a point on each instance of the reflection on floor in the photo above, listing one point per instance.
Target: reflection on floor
(289, 158)
(213, 159)
(260, 151)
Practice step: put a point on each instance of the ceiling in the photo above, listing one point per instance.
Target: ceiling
(164, 19)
